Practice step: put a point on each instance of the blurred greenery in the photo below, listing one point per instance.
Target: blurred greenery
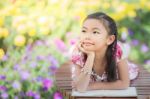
(35, 36)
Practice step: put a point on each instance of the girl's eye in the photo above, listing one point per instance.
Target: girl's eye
(95, 32)
(83, 31)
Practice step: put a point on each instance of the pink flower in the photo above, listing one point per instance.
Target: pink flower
(58, 95)
(60, 45)
(73, 41)
(47, 84)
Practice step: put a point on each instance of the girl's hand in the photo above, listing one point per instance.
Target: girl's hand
(90, 55)
(80, 47)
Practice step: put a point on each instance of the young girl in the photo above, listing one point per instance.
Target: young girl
(100, 61)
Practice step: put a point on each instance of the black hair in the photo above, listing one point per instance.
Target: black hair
(111, 27)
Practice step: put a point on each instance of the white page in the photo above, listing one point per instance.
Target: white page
(130, 92)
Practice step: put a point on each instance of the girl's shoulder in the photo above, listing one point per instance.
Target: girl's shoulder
(121, 52)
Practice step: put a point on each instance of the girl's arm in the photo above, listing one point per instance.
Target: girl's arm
(122, 83)
(82, 80)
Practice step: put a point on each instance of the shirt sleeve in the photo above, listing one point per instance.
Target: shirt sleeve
(120, 53)
(77, 56)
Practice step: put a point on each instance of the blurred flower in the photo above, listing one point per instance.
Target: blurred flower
(24, 75)
(144, 48)
(12, 10)
(118, 15)
(32, 33)
(68, 34)
(5, 58)
(22, 29)
(53, 69)
(131, 13)
(124, 35)
(60, 45)
(39, 78)
(1, 35)
(2, 77)
(130, 10)
(16, 85)
(15, 23)
(16, 97)
(33, 94)
(147, 62)
(47, 83)
(33, 64)
(20, 40)
(30, 24)
(4, 95)
(39, 43)
(80, 14)
(53, 60)
(37, 96)
(106, 5)
(43, 21)
(1, 21)
(4, 32)
(130, 32)
(3, 88)
(73, 41)
(16, 67)
(135, 42)
(30, 93)
(21, 19)
(40, 58)
(22, 94)
(44, 30)
(2, 53)
(57, 95)
(28, 48)
(24, 58)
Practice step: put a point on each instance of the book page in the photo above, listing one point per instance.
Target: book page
(130, 92)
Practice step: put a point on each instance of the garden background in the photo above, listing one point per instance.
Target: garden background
(35, 37)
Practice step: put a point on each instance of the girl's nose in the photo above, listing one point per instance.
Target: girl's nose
(87, 37)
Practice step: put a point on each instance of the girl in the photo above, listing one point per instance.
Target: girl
(100, 62)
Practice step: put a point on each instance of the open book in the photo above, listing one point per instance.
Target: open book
(130, 92)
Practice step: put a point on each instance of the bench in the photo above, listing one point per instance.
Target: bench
(63, 83)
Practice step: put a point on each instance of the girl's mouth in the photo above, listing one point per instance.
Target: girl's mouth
(88, 43)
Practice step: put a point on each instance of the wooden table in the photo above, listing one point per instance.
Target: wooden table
(63, 83)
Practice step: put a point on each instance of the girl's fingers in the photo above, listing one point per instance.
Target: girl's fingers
(81, 48)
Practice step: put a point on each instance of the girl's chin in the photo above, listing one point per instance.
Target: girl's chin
(88, 48)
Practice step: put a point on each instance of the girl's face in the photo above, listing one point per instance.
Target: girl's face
(94, 36)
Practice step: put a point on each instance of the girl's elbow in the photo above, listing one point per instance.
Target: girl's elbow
(81, 89)
(125, 85)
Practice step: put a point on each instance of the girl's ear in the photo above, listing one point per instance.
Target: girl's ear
(110, 39)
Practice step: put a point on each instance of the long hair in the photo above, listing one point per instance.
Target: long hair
(111, 28)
